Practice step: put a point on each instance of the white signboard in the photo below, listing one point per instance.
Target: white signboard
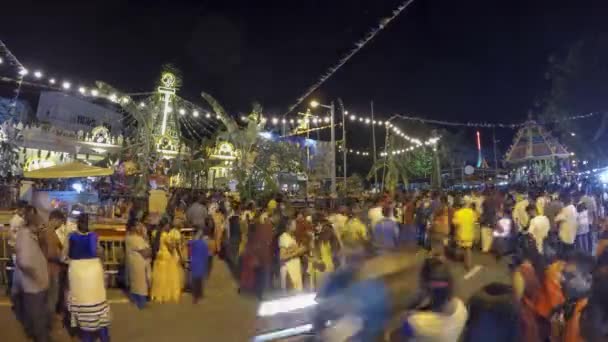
(75, 113)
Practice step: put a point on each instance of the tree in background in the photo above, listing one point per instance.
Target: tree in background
(354, 186)
(9, 151)
(259, 159)
(578, 85)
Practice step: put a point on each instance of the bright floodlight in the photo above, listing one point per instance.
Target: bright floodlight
(23, 72)
(38, 74)
(314, 104)
(66, 85)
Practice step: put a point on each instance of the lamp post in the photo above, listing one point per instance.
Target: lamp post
(331, 108)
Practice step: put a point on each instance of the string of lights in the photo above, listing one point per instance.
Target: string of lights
(43, 81)
(357, 152)
(488, 124)
(358, 46)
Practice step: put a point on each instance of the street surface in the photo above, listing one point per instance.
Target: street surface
(224, 315)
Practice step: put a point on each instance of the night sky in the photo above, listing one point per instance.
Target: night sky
(444, 59)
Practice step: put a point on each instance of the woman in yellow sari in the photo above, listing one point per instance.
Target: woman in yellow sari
(167, 273)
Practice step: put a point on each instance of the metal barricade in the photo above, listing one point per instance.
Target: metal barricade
(5, 255)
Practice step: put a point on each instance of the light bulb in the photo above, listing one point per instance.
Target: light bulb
(38, 74)
(66, 85)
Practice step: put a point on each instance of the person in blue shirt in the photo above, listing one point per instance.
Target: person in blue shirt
(199, 262)
(385, 235)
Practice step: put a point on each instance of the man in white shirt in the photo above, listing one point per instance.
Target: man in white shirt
(566, 219)
(539, 227)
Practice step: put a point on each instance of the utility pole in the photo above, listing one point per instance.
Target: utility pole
(332, 110)
(495, 156)
(374, 144)
(385, 154)
(344, 146)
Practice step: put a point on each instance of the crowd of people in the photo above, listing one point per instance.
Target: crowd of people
(556, 239)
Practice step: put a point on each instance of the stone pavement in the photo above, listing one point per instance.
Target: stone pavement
(224, 315)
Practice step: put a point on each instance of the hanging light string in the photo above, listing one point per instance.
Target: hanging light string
(181, 105)
(488, 124)
(358, 46)
(362, 153)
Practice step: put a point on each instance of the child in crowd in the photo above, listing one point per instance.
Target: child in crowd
(199, 262)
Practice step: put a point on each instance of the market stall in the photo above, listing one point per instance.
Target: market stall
(79, 193)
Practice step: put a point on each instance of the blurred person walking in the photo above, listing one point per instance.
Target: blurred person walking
(87, 301)
(32, 268)
(138, 258)
(464, 221)
(53, 251)
(444, 317)
(199, 262)
(385, 234)
(167, 274)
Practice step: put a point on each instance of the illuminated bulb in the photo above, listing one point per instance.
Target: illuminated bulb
(1, 61)
(82, 90)
(38, 74)
(195, 113)
(314, 121)
(218, 116)
(299, 121)
(283, 121)
(327, 119)
(361, 119)
(141, 104)
(353, 118)
(374, 122)
(244, 118)
(182, 111)
(208, 115)
(345, 112)
(275, 121)
(380, 123)
(23, 72)
(113, 98)
(367, 121)
(291, 121)
(125, 100)
(52, 81)
(66, 85)
(264, 120)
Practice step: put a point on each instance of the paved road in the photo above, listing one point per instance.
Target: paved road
(222, 316)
